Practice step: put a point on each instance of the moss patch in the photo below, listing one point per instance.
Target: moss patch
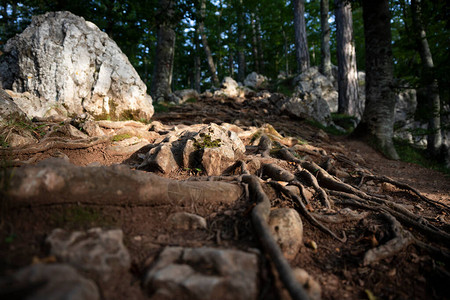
(121, 137)
(206, 142)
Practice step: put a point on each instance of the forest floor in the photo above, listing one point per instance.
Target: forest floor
(411, 273)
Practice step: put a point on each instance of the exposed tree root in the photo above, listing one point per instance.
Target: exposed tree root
(55, 143)
(342, 216)
(260, 215)
(401, 239)
(55, 181)
(312, 181)
(309, 217)
(404, 186)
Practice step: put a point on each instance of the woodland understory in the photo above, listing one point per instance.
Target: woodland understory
(365, 235)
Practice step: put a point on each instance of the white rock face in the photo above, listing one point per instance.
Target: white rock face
(8, 108)
(66, 60)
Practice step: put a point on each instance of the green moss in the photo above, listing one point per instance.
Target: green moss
(191, 100)
(345, 121)
(328, 129)
(283, 86)
(206, 142)
(121, 137)
(161, 107)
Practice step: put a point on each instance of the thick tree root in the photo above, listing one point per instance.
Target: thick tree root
(309, 217)
(312, 181)
(56, 143)
(401, 239)
(260, 215)
(404, 186)
(55, 181)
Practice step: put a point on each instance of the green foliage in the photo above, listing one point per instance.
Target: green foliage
(416, 155)
(284, 86)
(206, 142)
(344, 121)
(161, 107)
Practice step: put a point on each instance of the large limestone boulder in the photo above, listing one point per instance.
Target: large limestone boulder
(66, 60)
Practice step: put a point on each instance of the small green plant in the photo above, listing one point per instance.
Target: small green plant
(328, 129)
(121, 137)
(206, 142)
(161, 107)
(191, 100)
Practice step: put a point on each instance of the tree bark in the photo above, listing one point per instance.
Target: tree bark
(325, 59)
(165, 51)
(378, 118)
(301, 41)
(259, 42)
(255, 44)
(241, 42)
(197, 62)
(209, 58)
(347, 73)
(429, 80)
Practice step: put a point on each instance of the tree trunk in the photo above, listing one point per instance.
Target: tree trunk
(165, 50)
(241, 42)
(209, 58)
(378, 119)
(429, 80)
(347, 74)
(259, 42)
(325, 59)
(255, 44)
(197, 62)
(301, 42)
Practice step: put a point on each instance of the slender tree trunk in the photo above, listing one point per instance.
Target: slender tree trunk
(347, 73)
(429, 80)
(286, 53)
(231, 64)
(197, 62)
(165, 50)
(255, 44)
(301, 41)
(259, 42)
(209, 58)
(325, 59)
(241, 42)
(378, 119)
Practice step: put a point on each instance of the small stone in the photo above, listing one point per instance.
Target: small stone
(53, 281)
(203, 273)
(96, 250)
(187, 221)
(311, 285)
(287, 229)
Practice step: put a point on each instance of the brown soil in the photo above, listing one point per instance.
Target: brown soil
(410, 274)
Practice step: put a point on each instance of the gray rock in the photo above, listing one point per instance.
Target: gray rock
(210, 147)
(256, 81)
(96, 250)
(184, 95)
(18, 140)
(8, 108)
(229, 88)
(186, 221)
(203, 273)
(64, 59)
(38, 107)
(287, 229)
(92, 128)
(307, 106)
(311, 285)
(55, 281)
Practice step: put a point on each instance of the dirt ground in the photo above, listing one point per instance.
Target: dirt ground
(412, 273)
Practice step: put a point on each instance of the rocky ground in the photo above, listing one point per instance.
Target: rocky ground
(85, 204)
